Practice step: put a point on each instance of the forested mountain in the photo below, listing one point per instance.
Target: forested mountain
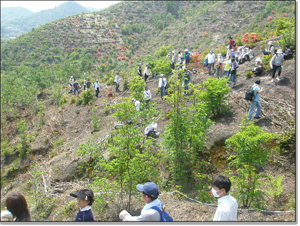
(12, 13)
(17, 20)
(54, 143)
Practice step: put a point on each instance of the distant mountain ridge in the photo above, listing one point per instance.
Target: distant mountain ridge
(18, 20)
(12, 13)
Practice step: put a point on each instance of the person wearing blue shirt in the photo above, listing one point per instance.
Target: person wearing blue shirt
(85, 199)
(255, 102)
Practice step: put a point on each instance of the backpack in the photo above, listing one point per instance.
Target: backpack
(206, 63)
(164, 216)
(249, 94)
(188, 56)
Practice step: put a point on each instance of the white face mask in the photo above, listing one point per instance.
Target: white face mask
(214, 192)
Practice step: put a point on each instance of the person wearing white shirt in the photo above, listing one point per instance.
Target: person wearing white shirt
(147, 96)
(97, 87)
(227, 205)
(136, 104)
(180, 55)
(211, 59)
(149, 193)
(117, 82)
(173, 60)
(150, 130)
(162, 83)
(276, 64)
(146, 72)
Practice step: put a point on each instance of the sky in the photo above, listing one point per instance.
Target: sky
(37, 6)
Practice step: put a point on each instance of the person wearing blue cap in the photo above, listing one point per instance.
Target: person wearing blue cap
(211, 59)
(149, 193)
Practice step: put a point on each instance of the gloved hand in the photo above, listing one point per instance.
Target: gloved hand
(123, 214)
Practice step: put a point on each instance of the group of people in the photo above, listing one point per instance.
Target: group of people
(227, 67)
(276, 62)
(17, 208)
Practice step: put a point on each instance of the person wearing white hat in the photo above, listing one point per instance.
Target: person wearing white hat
(136, 104)
(257, 71)
(97, 87)
(270, 49)
(219, 65)
(240, 55)
(162, 83)
(173, 59)
(71, 80)
(249, 55)
(276, 64)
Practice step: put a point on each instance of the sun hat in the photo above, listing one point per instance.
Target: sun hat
(220, 54)
(149, 189)
(85, 194)
(279, 51)
(162, 75)
(270, 43)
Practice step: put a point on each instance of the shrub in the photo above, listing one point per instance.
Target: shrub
(248, 150)
(248, 74)
(125, 85)
(86, 98)
(266, 61)
(72, 100)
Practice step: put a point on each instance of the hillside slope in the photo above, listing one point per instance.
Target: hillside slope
(88, 46)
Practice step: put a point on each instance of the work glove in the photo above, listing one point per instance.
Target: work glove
(123, 214)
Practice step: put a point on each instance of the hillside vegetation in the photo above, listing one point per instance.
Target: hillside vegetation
(54, 143)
